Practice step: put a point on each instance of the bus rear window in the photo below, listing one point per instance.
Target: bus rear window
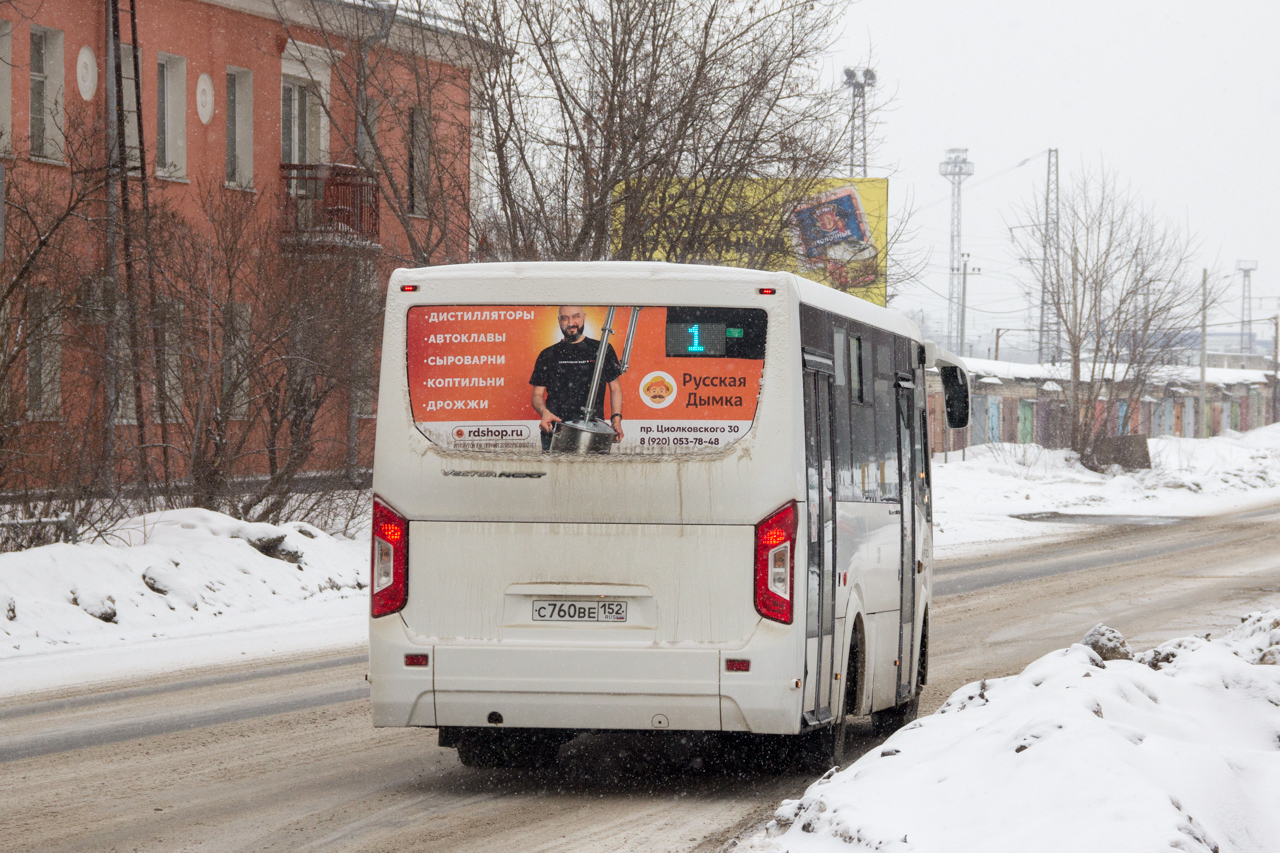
(498, 378)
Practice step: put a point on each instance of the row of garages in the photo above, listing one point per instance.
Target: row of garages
(1027, 404)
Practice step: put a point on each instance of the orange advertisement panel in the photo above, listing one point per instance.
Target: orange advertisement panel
(692, 382)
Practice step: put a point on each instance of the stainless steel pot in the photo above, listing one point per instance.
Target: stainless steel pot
(594, 436)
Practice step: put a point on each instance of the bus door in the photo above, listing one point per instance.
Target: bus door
(820, 651)
(911, 495)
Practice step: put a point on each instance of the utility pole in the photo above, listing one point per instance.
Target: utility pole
(1275, 369)
(999, 332)
(955, 169)
(1050, 286)
(964, 298)
(1204, 354)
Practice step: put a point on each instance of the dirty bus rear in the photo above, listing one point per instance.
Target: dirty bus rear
(753, 555)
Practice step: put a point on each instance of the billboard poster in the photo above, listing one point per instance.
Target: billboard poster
(834, 231)
(692, 382)
(840, 236)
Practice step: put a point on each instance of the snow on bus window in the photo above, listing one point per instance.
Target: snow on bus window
(518, 378)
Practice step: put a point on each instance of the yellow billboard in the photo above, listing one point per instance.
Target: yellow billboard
(834, 230)
(840, 235)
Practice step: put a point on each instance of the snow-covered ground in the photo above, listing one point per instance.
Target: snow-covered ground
(193, 587)
(176, 589)
(974, 498)
(1176, 749)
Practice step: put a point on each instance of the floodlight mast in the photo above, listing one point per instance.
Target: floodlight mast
(858, 85)
(955, 169)
(1246, 269)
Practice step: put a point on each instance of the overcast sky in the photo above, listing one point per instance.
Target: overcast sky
(1181, 100)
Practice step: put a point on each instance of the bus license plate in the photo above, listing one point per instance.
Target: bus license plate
(548, 610)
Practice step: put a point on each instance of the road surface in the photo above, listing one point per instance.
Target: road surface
(273, 757)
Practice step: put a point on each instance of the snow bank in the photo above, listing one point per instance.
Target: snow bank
(1188, 477)
(179, 573)
(1178, 748)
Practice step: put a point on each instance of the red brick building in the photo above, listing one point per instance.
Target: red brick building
(176, 177)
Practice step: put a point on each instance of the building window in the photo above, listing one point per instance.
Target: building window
(300, 113)
(236, 358)
(168, 381)
(46, 94)
(120, 371)
(128, 92)
(419, 162)
(6, 87)
(171, 117)
(44, 355)
(239, 127)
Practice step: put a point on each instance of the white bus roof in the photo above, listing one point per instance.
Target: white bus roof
(604, 272)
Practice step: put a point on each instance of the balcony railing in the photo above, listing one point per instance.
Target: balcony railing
(330, 203)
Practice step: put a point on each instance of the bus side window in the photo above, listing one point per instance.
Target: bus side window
(886, 416)
(862, 424)
(840, 416)
(855, 369)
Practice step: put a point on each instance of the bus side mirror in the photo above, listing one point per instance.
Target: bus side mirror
(955, 394)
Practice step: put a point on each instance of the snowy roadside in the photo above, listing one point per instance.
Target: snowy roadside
(194, 588)
(172, 590)
(1174, 748)
(975, 499)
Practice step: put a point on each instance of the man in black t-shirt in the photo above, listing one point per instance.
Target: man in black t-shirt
(562, 375)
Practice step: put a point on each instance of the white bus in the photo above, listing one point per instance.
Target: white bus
(732, 535)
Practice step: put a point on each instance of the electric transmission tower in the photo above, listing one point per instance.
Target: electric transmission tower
(1050, 281)
(955, 169)
(1246, 268)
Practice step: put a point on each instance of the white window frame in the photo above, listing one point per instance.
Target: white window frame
(309, 66)
(171, 117)
(239, 127)
(51, 73)
(303, 148)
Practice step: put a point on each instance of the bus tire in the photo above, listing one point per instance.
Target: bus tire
(824, 748)
(534, 749)
(483, 749)
(888, 721)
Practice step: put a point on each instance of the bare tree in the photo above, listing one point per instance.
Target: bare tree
(1117, 281)
(651, 129)
(49, 213)
(263, 334)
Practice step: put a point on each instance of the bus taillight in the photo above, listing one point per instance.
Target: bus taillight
(390, 560)
(775, 564)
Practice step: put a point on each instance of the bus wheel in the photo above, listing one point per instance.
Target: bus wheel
(534, 750)
(484, 749)
(888, 721)
(824, 748)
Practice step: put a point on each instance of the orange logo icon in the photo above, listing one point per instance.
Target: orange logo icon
(658, 390)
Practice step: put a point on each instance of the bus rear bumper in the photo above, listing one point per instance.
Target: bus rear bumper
(558, 687)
